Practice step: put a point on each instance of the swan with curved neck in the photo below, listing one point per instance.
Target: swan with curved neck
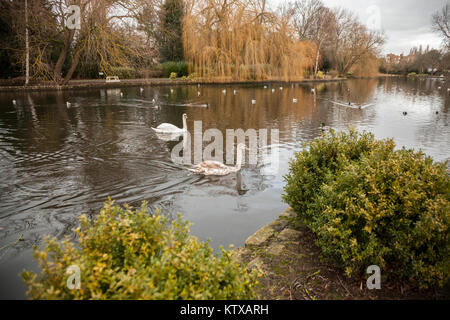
(170, 128)
(215, 168)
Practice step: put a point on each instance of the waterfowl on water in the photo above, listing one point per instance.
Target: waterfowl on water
(313, 90)
(170, 128)
(14, 102)
(68, 104)
(215, 168)
(405, 113)
(253, 101)
(294, 100)
(224, 91)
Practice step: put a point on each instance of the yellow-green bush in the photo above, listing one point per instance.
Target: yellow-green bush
(370, 204)
(130, 254)
(173, 76)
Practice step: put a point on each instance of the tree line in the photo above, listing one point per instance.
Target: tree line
(237, 39)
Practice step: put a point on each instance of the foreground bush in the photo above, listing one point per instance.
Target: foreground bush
(127, 254)
(369, 204)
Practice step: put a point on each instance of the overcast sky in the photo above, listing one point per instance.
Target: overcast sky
(406, 23)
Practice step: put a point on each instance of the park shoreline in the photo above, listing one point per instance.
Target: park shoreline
(101, 84)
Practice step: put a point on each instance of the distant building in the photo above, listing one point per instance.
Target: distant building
(393, 59)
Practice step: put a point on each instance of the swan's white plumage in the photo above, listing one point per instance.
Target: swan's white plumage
(166, 127)
(170, 128)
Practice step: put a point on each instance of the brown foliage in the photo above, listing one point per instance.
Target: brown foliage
(242, 40)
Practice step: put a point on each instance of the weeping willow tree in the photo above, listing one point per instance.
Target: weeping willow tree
(244, 40)
(367, 66)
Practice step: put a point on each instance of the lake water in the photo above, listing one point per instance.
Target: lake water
(57, 163)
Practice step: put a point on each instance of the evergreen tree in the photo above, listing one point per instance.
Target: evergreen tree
(171, 43)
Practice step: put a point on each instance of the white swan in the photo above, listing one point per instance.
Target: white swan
(170, 128)
(215, 168)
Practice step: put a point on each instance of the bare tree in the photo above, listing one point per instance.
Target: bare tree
(313, 22)
(351, 41)
(441, 24)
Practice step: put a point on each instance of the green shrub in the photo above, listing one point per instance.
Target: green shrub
(370, 204)
(123, 72)
(173, 76)
(320, 75)
(412, 74)
(181, 68)
(130, 254)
